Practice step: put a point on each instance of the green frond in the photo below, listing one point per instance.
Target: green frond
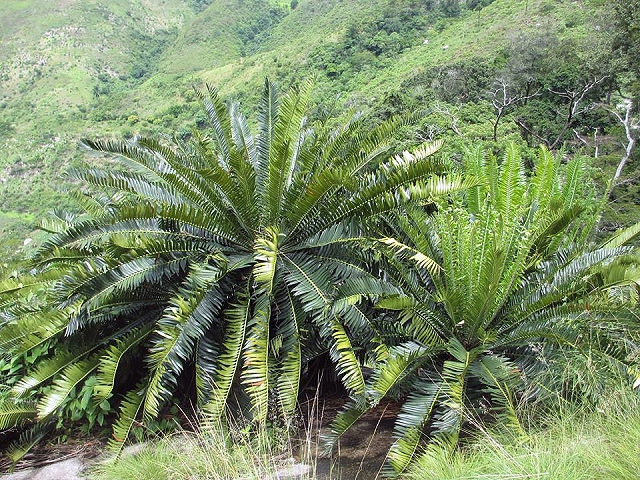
(56, 222)
(14, 413)
(365, 287)
(338, 234)
(511, 184)
(187, 317)
(48, 368)
(234, 187)
(228, 360)
(553, 225)
(543, 183)
(338, 143)
(501, 377)
(397, 302)
(130, 182)
(163, 163)
(475, 166)
(360, 327)
(574, 183)
(308, 282)
(27, 440)
(346, 418)
(33, 329)
(623, 237)
(343, 356)
(255, 375)
(420, 259)
(401, 361)
(291, 320)
(308, 205)
(62, 385)
(267, 119)
(286, 141)
(266, 256)
(218, 117)
(417, 185)
(103, 286)
(553, 324)
(111, 359)
(410, 423)
(130, 408)
(24, 284)
(403, 451)
(240, 130)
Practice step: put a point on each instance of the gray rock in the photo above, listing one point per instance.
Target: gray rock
(294, 472)
(65, 470)
(21, 475)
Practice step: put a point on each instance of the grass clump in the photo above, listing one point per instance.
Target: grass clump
(209, 454)
(579, 443)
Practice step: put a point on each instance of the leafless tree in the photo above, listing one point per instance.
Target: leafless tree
(429, 133)
(575, 105)
(450, 113)
(631, 126)
(591, 144)
(502, 98)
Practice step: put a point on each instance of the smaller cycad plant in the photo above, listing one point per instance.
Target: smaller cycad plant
(495, 279)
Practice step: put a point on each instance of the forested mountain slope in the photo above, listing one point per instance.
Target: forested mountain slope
(74, 68)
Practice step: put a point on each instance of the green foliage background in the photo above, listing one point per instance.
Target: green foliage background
(75, 69)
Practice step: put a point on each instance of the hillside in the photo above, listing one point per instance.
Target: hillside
(55, 58)
(74, 68)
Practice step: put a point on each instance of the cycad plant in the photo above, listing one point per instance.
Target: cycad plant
(216, 265)
(488, 281)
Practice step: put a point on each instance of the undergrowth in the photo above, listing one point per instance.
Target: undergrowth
(578, 443)
(210, 454)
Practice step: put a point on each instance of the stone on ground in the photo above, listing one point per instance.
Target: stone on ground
(65, 470)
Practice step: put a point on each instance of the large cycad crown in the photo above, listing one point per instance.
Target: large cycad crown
(225, 261)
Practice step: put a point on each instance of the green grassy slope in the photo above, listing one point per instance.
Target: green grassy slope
(58, 61)
(312, 26)
(69, 69)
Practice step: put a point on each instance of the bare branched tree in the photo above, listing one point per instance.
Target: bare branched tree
(449, 112)
(575, 106)
(631, 126)
(502, 98)
(589, 143)
(429, 133)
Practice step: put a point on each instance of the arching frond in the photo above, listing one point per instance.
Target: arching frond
(129, 412)
(186, 319)
(410, 423)
(49, 368)
(110, 361)
(342, 353)
(27, 440)
(228, 360)
(291, 319)
(287, 136)
(256, 376)
(421, 260)
(14, 413)
(267, 119)
(623, 237)
(62, 385)
(310, 284)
